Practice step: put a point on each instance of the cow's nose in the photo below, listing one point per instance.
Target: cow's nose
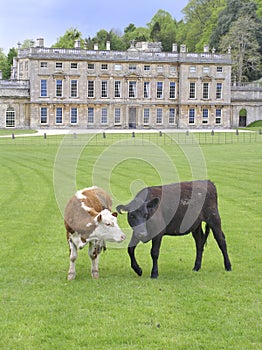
(123, 237)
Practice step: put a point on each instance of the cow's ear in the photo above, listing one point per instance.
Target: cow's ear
(98, 218)
(115, 214)
(121, 209)
(153, 203)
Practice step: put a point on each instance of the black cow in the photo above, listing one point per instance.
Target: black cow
(174, 209)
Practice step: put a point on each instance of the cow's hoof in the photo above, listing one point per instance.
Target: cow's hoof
(139, 271)
(95, 274)
(228, 268)
(196, 269)
(154, 277)
(71, 276)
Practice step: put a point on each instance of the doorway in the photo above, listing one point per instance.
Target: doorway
(242, 118)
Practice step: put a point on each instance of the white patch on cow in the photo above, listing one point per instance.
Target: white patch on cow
(85, 207)
(79, 194)
(107, 228)
(76, 239)
(89, 224)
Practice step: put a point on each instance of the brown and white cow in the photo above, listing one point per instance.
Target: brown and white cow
(88, 219)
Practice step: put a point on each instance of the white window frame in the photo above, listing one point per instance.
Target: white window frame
(104, 115)
(43, 88)
(10, 118)
(191, 116)
(90, 115)
(73, 115)
(192, 90)
(43, 115)
(117, 116)
(58, 116)
(73, 88)
(159, 89)
(132, 89)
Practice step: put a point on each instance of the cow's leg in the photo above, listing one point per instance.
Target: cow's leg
(221, 241)
(73, 257)
(156, 243)
(94, 251)
(131, 251)
(200, 240)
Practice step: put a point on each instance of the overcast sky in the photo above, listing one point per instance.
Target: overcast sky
(49, 19)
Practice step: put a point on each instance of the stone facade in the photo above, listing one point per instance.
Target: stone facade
(138, 88)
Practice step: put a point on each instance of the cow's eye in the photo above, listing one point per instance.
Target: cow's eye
(146, 216)
(108, 224)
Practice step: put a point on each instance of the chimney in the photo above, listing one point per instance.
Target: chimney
(174, 47)
(182, 48)
(206, 48)
(77, 44)
(95, 47)
(108, 45)
(40, 42)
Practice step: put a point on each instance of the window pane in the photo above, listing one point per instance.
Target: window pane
(219, 90)
(205, 90)
(146, 115)
(159, 113)
(218, 115)
(159, 93)
(43, 115)
(43, 88)
(146, 89)
(117, 115)
(90, 115)
(59, 115)
(205, 116)
(104, 116)
(59, 88)
(104, 89)
(73, 88)
(117, 88)
(73, 115)
(191, 116)
(90, 88)
(171, 115)
(172, 90)
(192, 90)
(132, 89)
(10, 119)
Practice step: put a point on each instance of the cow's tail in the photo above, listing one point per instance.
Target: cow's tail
(207, 230)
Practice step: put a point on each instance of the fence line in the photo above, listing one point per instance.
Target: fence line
(138, 138)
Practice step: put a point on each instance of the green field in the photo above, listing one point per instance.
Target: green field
(182, 309)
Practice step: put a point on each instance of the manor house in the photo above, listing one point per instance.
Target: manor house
(142, 87)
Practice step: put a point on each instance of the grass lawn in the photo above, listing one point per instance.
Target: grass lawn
(16, 132)
(182, 309)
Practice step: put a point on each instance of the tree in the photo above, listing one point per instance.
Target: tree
(6, 62)
(244, 48)
(137, 34)
(162, 27)
(200, 18)
(233, 10)
(67, 41)
(116, 40)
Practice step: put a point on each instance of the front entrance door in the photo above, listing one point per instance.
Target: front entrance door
(132, 117)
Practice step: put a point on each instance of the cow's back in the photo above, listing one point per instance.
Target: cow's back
(83, 207)
(182, 206)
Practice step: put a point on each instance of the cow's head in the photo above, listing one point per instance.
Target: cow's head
(107, 228)
(139, 214)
